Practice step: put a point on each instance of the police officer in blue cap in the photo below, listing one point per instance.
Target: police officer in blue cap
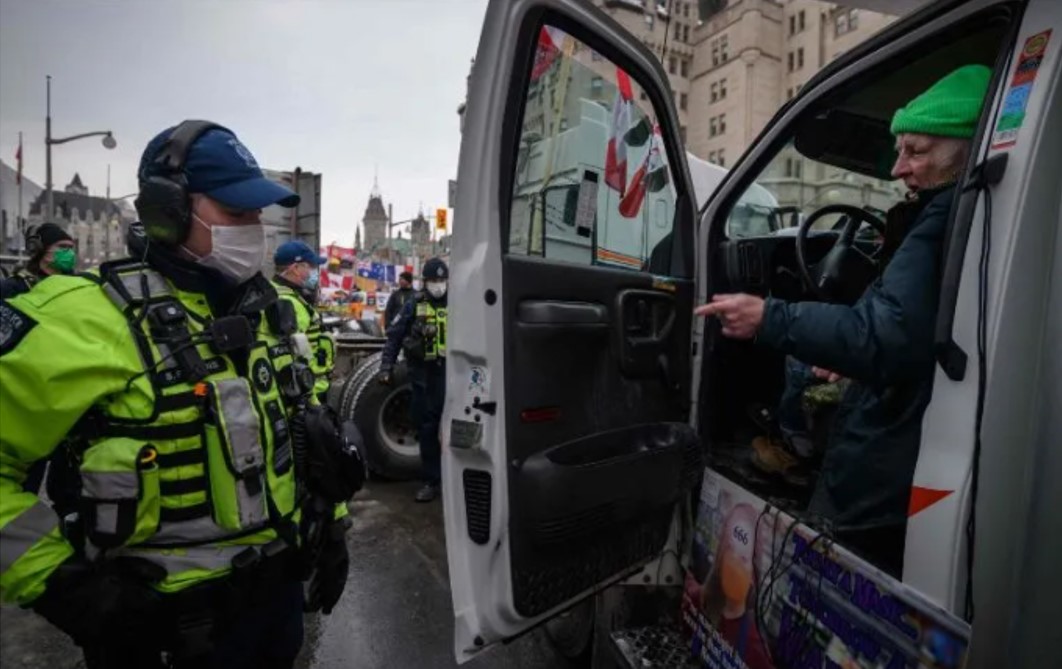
(297, 276)
(200, 444)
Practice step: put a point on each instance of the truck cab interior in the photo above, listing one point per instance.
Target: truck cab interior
(831, 176)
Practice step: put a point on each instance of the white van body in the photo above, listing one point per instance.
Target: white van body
(563, 371)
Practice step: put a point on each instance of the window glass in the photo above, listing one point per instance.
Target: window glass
(793, 187)
(592, 184)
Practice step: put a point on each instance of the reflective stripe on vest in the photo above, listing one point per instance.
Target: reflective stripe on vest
(240, 425)
(133, 284)
(24, 531)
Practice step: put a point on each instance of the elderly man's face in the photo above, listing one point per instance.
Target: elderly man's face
(928, 161)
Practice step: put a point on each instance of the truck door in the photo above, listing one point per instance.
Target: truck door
(566, 441)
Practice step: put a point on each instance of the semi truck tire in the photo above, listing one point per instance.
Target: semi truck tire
(382, 414)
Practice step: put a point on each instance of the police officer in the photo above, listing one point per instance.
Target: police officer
(296, 281)
(420, 331)
(398, 298)
(51, 251)
(173, 369)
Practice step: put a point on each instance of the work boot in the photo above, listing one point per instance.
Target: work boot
(774, 456)
(427, 493)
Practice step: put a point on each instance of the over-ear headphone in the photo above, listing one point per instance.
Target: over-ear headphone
(34, 243)
(163, 204)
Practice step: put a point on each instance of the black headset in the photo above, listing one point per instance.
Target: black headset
(163, 204)
(34, 243)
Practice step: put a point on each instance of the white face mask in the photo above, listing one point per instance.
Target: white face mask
(236, 250)
(436, 288)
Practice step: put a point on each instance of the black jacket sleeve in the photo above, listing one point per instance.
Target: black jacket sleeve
(887, 336)
(398, 331)
(393, 305)
(12, 286)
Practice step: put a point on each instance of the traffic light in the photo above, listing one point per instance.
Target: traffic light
(440, 219)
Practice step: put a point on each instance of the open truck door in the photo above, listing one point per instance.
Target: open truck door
(566, 441)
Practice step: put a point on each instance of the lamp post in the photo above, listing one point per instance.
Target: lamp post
(108, 143)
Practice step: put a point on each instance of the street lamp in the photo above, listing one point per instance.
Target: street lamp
(108, 143)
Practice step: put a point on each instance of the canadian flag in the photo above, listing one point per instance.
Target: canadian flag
(549, 46)
(650, 177)
(616, 152)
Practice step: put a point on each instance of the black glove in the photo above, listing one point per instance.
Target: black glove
(330, 577)
(90, 602)
(384, 377)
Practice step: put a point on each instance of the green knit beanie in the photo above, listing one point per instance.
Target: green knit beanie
(949, 108)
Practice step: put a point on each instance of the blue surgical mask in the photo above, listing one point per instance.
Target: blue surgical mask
(312, 280)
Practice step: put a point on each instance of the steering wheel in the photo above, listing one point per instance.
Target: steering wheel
(845, 271)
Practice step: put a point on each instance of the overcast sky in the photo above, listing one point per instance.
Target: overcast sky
(333, 86)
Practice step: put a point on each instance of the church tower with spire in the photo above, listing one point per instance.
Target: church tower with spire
(374, 223)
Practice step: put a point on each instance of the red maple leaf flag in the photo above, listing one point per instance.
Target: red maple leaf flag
(549, 43)
(616, 151)
(650, 177)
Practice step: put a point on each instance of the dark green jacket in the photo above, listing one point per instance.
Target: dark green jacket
(884, 343)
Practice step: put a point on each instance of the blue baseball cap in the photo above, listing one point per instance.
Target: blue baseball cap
(296, 251)
(219, 166)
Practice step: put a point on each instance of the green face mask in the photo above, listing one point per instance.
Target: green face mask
(64, 260)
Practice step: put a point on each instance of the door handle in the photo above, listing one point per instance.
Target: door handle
(557, 312)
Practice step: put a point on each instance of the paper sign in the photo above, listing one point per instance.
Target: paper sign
(586, 207)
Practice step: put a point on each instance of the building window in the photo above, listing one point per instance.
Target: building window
(686, 34)
(686, 9)
(789, 60)
(722, 88)
(596, 86)
(715, 52)
(789, 93)
(715, 91)
(672, 65)
(684, 67)
(792, 25)
(649, 21)
(682, 133)
(712, 127)
(800, 58)
(722, 48)
(678, 32)
(845, 22)
(793, 168)
(711, 157)
(683, 101)
(800, 23)
(722, 123)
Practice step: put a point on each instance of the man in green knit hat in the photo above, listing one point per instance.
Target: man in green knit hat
(883, 344)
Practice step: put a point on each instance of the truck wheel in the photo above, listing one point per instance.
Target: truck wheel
(572, 633)
(382, 413)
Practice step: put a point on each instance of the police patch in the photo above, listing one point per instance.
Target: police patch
(13, 327)
(262, 376)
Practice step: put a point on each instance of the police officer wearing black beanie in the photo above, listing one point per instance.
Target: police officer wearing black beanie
(51, 251)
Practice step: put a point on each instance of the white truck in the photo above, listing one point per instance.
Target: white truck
(583, 399)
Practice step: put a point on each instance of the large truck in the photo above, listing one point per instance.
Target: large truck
(592, 424)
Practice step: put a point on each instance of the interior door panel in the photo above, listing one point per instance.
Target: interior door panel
(607, 354)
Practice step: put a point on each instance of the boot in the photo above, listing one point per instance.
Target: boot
(774, 456)
(427, 493)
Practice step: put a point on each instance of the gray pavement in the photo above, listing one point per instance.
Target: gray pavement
(395, 613)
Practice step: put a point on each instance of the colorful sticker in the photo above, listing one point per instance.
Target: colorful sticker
(479, 380)
(1012, 115)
